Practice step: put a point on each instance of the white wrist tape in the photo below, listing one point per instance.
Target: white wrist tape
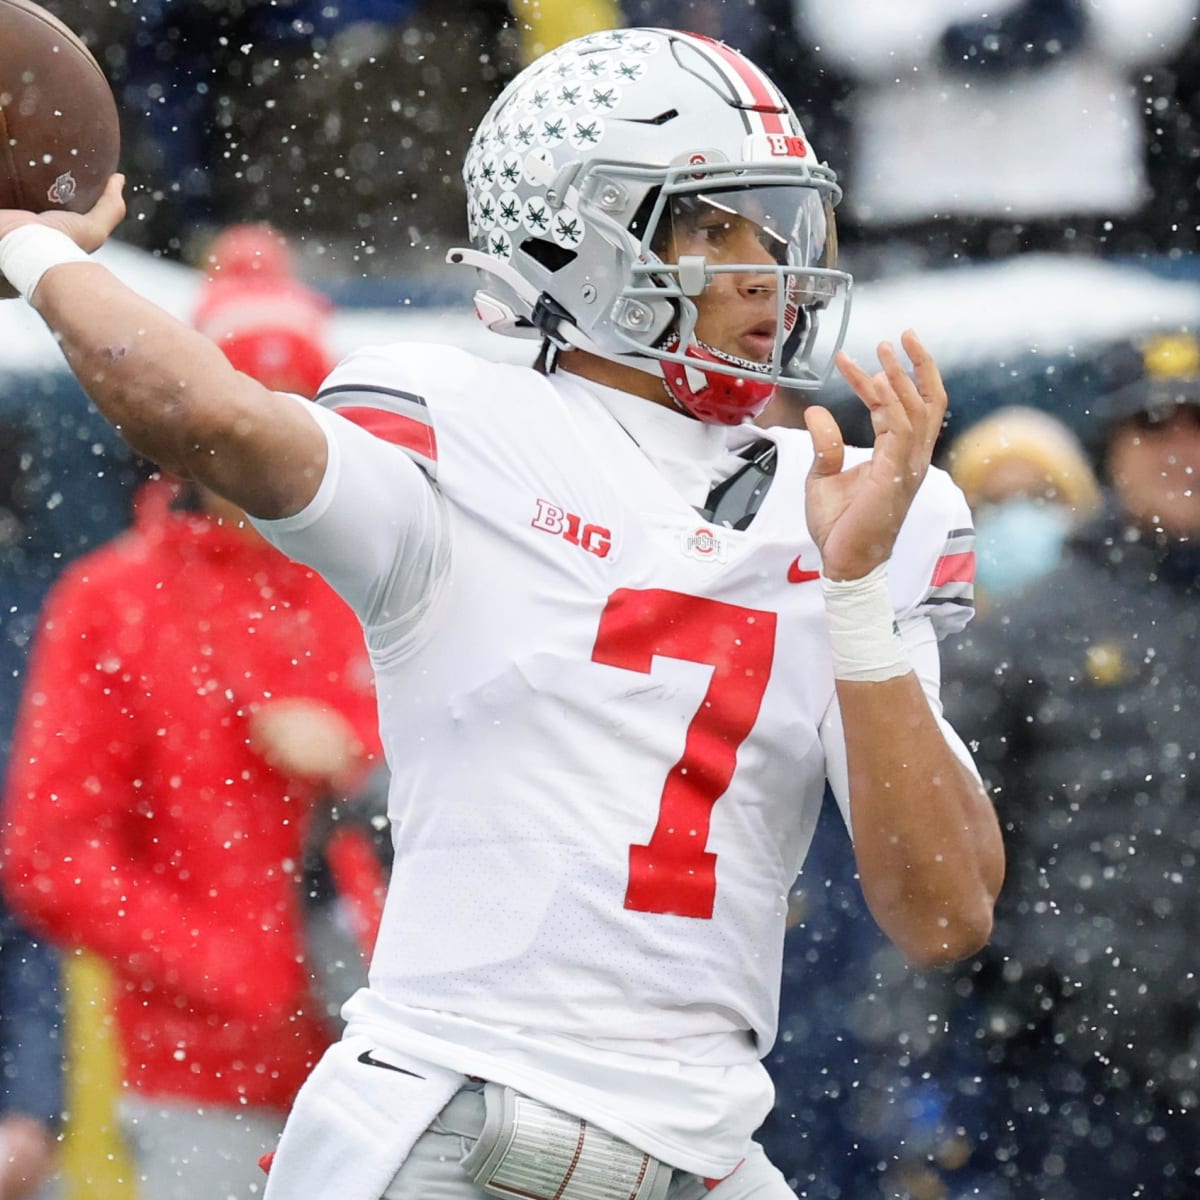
(29, 251)
(862, 629)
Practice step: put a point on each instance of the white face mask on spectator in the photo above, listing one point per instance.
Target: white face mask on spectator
(1019, 540)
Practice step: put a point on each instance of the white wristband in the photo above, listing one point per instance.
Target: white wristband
(862, 629)
(29, 251)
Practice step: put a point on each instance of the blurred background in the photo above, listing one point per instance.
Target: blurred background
(1021, 187)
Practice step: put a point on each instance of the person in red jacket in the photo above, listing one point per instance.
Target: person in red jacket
(191, 696)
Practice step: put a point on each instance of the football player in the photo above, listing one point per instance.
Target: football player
(622, 636)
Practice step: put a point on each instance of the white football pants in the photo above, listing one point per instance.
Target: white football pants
(433, 1171)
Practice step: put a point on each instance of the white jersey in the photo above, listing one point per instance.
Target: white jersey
(609, 725)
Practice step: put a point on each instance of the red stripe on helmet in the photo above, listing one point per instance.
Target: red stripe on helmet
(766, 101)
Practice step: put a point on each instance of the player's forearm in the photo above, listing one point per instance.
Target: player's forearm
(927, 841)
(174, 397)
(143, 368)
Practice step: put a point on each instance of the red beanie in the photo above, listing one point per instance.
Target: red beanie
(248, 252)
(269, 324)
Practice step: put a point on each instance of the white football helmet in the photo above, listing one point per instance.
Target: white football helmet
(587, 182)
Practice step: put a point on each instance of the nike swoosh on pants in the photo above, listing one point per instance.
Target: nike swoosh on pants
(365, 1057)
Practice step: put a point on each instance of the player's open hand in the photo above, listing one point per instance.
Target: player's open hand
(89, 230)
(854, 515)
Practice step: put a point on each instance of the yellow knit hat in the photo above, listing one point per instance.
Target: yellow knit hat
(1030, 436)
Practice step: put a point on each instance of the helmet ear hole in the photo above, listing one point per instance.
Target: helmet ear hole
(550, 255)
(641, 218)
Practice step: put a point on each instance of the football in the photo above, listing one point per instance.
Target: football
(58, 120)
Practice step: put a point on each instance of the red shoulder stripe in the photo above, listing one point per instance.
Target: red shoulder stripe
(392, 427)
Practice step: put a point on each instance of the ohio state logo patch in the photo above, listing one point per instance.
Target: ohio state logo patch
(63, 189)
(705, 545)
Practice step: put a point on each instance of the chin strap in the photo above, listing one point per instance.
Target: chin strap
(713, 396)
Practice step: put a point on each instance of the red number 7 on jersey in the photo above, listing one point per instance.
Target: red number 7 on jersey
(673, 872)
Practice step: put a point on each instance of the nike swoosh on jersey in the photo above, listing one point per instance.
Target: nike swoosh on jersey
(365, 1057)
(796, 573)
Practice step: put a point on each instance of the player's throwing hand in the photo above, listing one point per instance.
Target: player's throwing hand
(89, 231)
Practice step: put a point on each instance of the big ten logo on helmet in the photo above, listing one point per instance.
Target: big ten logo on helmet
(552, 518)
(761, 146)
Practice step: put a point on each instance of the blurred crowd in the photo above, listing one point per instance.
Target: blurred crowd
(1062, 1063)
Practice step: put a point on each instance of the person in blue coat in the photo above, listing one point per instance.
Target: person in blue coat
(31, 1059)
